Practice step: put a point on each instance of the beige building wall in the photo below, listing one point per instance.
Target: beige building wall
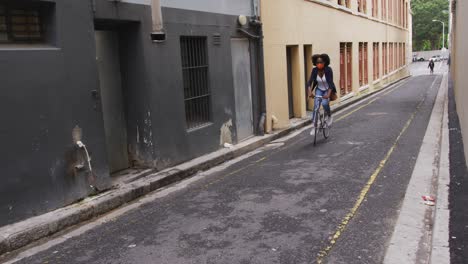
(318, 26)
(459, 65)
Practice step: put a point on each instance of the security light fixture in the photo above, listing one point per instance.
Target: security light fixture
(242, 20)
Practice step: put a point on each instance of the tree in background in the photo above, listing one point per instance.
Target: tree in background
(427, 35)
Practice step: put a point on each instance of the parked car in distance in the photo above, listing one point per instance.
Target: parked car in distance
(436, 58)
(417, 58)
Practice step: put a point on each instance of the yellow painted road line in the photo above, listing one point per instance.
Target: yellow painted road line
(368, 103)
(365, 190)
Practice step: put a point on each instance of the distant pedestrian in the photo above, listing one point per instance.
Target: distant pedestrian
(431, 65)
(321, 80)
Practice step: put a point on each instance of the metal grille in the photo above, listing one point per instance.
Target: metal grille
(20, 25)
(196, 84)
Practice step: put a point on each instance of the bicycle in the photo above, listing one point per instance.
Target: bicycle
(320, 115)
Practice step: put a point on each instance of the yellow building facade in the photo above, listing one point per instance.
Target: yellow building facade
(351, 32)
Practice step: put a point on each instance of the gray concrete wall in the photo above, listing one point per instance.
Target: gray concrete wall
(229, 7)
(49, 90)
(46, 92)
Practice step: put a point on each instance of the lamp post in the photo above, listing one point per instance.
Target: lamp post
(443, 32)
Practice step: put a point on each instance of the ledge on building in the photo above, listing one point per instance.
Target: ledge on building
(365, 87)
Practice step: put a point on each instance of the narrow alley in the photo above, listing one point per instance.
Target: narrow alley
(280, 204)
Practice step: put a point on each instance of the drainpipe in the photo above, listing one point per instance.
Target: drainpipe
(158, 34)
(261, 74)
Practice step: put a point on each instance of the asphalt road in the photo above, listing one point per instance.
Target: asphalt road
(289, 203)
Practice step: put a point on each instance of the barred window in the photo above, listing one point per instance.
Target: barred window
(197, 95)
(20, 24)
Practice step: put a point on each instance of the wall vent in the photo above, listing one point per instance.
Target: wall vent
(217, 39)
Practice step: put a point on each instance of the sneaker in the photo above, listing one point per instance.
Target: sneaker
(312, 131)
(330, 120)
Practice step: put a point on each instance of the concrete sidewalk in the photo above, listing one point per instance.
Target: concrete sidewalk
(128, 189)
(421, 234)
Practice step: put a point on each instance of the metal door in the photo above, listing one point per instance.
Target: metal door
(241, 70)
(110, 80)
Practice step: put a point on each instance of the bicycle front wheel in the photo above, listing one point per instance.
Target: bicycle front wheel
(316, 129)
(326, 130)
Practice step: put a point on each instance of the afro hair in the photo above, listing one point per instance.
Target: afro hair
(324, 57)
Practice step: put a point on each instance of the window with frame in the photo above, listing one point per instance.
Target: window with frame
(197, 96)
(22, 23)
(390, 10)
(375, 8)
(362, 6)
(346, 3)
(363, 64)
(385, 58)
(376, 62)
(405, 13)
(346, 62)
(391, 58)
(384, 10)
(397, 55)
(400, 12)
(404, 54)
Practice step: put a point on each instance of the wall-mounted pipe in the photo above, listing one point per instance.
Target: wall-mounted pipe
(158, 34)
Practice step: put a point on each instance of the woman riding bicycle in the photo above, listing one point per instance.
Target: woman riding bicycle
(321, 79)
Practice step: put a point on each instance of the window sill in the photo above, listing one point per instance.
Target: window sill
(347, 96)
(323, 2)
(364, 15)
(365, 87)
(195, 129)
(27, 47)
(345, 9)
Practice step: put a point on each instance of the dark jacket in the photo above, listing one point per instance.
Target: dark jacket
(328, 75)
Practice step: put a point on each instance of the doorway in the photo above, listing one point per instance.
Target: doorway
(295, 98)
(290, 81)
(241, 71)
(112, 99)
(307, 71)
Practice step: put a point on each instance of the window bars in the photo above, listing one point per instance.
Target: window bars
(196, 81)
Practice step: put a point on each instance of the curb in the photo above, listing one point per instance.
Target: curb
(21, 234)
(411, 240)
(440, 235)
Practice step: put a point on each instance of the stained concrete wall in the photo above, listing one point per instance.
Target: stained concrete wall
(46, 92)
(49, 89)
(322, 24)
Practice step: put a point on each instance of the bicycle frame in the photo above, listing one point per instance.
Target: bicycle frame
(318, 114)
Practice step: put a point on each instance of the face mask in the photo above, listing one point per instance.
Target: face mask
(320, 66)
